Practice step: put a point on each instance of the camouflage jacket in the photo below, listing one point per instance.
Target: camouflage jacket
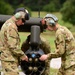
(45, 45)
(65, 47)
(10, 49)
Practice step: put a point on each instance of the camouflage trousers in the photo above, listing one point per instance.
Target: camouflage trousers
(47, 68)
(69, 71)
(10, 68)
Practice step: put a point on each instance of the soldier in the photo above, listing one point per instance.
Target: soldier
(65, 46)
(45, 46)
(10, 48)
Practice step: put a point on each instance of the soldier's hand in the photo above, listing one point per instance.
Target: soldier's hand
(25, 58)
(43, 57)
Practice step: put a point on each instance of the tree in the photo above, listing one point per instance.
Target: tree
(68, 11)
(52, 6)
(5, 8)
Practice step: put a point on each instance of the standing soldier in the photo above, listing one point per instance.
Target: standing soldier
(10, 48)
(45, 46)
(65, 46)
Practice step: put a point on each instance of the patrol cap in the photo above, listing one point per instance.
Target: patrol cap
(20, 15)
(51, 16)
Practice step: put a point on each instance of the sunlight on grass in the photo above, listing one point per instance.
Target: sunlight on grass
(36, 14)
(53, 71)
(23, 36)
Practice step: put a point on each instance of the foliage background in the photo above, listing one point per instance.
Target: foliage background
(66, 7)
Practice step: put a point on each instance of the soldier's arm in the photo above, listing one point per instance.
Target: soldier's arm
(60, 47)
(25, 46)
(14, 42)
(45, 45)
(1, 47)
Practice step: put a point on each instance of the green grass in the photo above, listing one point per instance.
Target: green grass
(53, 71)
(50, 37)
(23, 36)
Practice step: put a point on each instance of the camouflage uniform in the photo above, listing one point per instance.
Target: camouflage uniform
(10, 49)
(45, 46)
(65, 48)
